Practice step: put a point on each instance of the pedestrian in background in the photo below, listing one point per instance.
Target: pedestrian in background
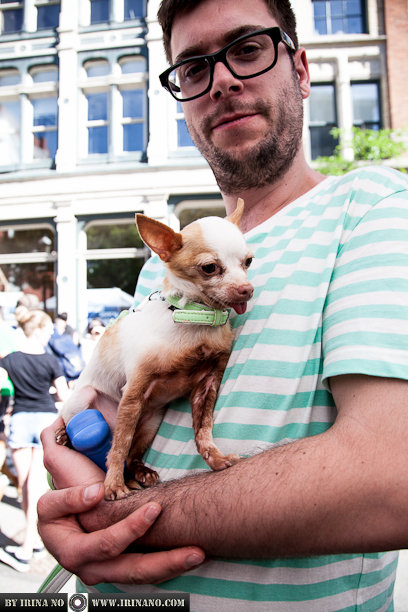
(32, 371)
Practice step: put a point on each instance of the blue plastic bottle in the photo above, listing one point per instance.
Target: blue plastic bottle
(90, 435)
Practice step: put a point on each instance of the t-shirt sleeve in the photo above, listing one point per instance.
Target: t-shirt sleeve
(365, 316)
(56, 370)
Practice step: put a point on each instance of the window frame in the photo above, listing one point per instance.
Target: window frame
(377, 83)
(323, 124)
(345, 16)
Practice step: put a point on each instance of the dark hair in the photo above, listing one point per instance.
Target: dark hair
(279, 9)
(63, 316)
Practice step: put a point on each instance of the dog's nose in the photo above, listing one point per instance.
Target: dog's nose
(245, 291)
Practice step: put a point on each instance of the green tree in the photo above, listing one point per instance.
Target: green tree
(368, 146)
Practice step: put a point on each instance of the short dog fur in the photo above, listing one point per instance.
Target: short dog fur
(145, 360)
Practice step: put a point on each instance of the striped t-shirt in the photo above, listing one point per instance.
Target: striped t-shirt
(331, 297)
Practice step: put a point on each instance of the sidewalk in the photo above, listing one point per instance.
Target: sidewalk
(12, 529)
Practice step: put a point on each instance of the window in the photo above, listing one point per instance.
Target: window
(183, 136)
(10, 134)
(36, 109)
(100, 11)
(134, 9)
(11, 16)
(114, 257)
(322, 119)
(339, 17)
(116, 112)
(366, 105)
(45, 112)
(27, 261)
(48, 15)
(97, 123)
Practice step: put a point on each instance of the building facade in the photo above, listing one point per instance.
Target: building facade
(88, 137)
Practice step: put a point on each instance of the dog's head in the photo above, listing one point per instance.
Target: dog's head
(207, 261)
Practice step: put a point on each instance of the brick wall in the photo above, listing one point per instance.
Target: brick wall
(396, 29)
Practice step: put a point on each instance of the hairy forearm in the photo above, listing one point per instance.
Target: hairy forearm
(311, 497)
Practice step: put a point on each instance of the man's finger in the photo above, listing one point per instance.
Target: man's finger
(57, 504)
(143, 568)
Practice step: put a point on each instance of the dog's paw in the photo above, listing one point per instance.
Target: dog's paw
(113, 492)
(140, 474)
(217, 461)
(61, 436)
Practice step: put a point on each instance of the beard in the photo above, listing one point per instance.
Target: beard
(271, 157)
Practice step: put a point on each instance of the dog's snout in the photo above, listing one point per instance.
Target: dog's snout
(246, 291)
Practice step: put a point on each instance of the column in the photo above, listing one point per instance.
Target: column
(66, 263)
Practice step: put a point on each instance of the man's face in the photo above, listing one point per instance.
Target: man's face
(249, 131)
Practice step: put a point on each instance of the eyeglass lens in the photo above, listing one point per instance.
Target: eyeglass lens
(246, 58)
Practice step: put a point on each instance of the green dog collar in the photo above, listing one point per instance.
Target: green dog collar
(197, 314)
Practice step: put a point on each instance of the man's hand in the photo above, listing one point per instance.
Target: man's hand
(97, 557)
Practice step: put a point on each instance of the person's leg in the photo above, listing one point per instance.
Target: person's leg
(36, 485)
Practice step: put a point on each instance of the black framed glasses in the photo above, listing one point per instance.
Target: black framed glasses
(246, 57)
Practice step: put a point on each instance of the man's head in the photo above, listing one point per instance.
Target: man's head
(279, 9)
(248, 129)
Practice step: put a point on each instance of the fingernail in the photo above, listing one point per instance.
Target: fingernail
(193, 560)
(152, 513)
(91, 492)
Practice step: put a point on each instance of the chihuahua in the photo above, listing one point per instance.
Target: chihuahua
(176, 343)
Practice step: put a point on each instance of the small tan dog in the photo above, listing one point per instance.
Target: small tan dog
(170, 347)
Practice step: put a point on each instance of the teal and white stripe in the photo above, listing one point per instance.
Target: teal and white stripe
(331, 295)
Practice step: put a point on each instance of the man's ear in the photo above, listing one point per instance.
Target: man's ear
(302, 69)
(158, 237)
(235, 217)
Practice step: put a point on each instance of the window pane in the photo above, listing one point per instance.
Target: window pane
(338, 26)
(10, 132)
(320, 27)
(133, 137)
(134, 9)
(135, 65)
(183, 137)
(45, 111)
(120, 273)
(12, 21)
(26, 241)
(38, 278)
(133, 102)
(319, 9)
(97, 69)
(113, 236)
(365, 103)
(322, 141)
(98, 140)
(44, 76)
(322, 103)
(336, 8)
(98, 107)
(355, 25)
(354, 7)
(48, 16)
(45, 145)
(99, 11)
(10, 79)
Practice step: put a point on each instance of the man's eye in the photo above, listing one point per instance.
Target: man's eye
(209, 268)
(193, 72)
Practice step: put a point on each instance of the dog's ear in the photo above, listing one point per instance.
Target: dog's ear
(158, 237)
(235, 217)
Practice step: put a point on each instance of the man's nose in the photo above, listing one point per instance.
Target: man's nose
(224, 83)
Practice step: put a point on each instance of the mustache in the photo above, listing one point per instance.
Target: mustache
(231, 106)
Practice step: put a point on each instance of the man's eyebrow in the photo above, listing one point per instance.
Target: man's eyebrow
(230, 36)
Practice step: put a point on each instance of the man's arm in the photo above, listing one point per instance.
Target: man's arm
(345, 490)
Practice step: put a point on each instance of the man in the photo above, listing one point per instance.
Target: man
(315, 390)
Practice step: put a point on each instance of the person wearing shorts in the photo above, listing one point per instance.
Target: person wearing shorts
(32, 371)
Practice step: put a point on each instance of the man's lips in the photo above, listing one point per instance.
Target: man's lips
(228, 120)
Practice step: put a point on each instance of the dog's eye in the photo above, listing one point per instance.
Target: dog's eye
(209, 268)
(248, 262)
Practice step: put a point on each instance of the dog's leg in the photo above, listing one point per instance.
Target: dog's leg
(203, 400)
(136, 470)
(80, 400)
(129, 412)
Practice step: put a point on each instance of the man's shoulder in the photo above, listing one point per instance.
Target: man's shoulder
(380, 180)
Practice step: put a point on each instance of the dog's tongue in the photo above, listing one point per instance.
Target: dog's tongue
(240, 308)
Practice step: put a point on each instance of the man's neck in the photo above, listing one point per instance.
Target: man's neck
(263, 203)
